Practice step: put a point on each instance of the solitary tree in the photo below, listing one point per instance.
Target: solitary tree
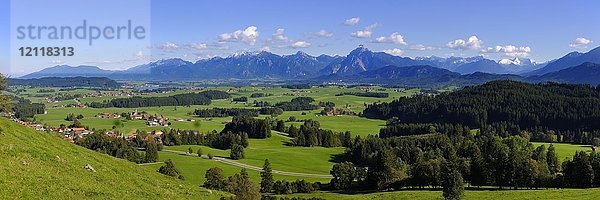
(170, 170)
(237, 152)
(266, 177)
(190, 150)
(243, 188)
(214, 178)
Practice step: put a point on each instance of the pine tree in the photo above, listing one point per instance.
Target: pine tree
(552, 160)
(237, 152)
(280, 126)
(214, 179)
(452, 182)
(478, 173)
(151, 152)
(266, 178)
(244, 139)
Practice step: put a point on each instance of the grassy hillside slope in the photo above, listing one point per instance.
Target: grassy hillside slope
(36, 165)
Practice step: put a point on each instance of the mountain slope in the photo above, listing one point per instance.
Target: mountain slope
(569, 60)
(416, 76)
(362, 59)
(69, 71)
(588, 73)
(484, 65)
(247, 65)
(36, 165)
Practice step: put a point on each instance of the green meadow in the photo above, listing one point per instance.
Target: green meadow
(565, 151)
(356, 125)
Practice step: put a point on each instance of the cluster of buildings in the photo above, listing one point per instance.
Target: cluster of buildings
(38, 127)
(151, 120)
(156, 134)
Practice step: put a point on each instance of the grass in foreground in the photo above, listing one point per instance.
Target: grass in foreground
(37, 165)
(546, 194)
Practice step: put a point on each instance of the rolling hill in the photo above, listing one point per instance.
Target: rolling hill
(36, 165)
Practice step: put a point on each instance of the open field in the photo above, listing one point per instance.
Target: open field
(314, 160)
(564, 151)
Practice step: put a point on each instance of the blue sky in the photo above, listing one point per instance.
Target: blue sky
(189, 29)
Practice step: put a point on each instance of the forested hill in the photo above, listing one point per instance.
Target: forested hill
(549, 106)
(66, 82)
(201, 98)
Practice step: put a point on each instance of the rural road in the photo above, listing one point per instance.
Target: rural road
(250, 167)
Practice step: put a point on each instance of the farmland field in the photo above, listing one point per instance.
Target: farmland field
(358, 126)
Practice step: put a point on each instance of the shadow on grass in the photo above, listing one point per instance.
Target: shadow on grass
(470, 188)
(338, 158)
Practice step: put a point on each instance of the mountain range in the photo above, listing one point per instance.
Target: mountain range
(361, 65)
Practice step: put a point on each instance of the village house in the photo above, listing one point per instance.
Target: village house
(184, 119)
(108, 115)
(138, 115)
(157, 120)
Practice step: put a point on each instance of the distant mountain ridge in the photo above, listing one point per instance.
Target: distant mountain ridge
(69, 71)
(360, 62)
(570, 60)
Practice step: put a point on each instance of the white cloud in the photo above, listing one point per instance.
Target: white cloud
(265, 48)
(300, 44)
(393, 38)
(57, 62)
(279, 35)
(140, 54)
(323, 33)
(199, 46)
(248, 36)
(472, 43)
(420, 47)
(169, 46)
(509, 50)
(395, 52)
(580, 43)
(365, 33)
(352, 21)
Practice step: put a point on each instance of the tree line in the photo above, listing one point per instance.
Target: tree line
(297, 104)
(310, 134)
(366, 94)
(201, 98)
(120, 148)
(439, 159)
